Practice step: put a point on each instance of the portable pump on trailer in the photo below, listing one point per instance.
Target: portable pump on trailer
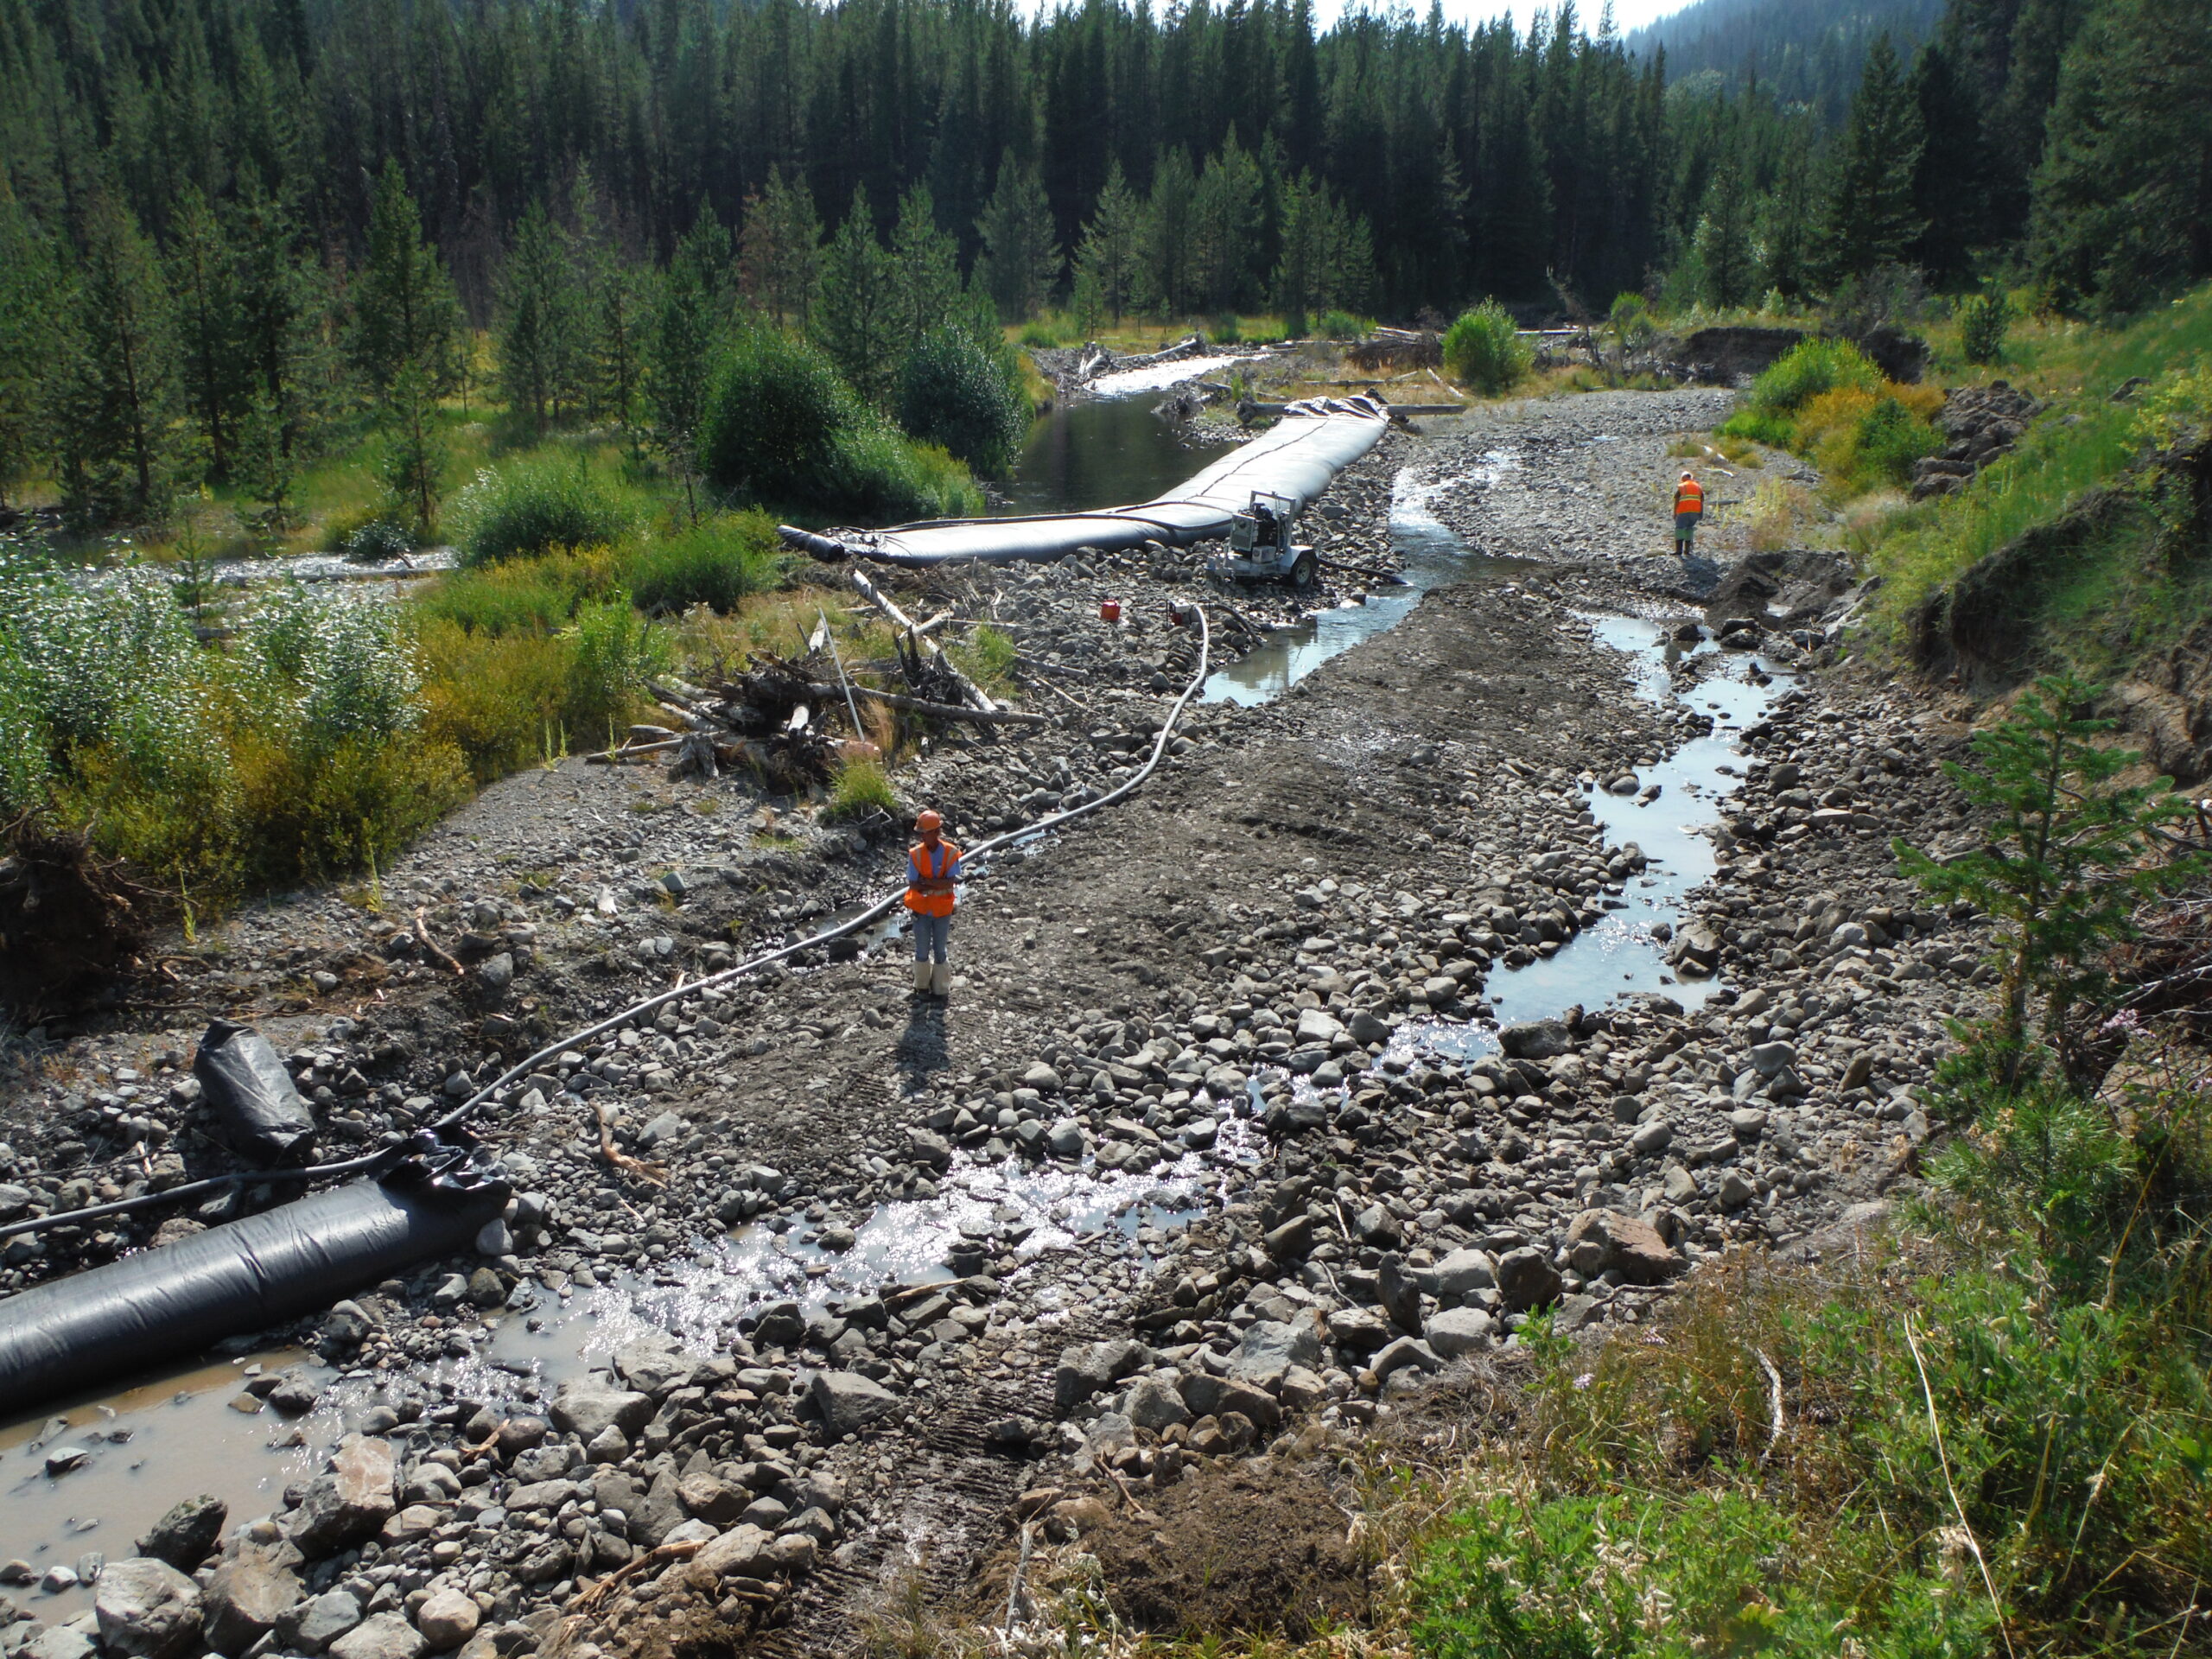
(1262, 545)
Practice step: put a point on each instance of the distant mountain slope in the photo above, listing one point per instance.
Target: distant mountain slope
(1807, 51)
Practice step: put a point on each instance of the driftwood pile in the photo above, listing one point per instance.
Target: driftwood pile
(792, 721)
(1395, 349)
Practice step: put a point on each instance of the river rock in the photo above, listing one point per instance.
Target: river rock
(650, 1367)
(1460, 1331)
(1091, 1368)
(383, 1636)
(589, 1406)
(1538, 1040)
(59, 1641)
(739, 1551)
(1462, 1273)
(247, 1599)
(314, 1625)
(1625, 1244)
(349, 1503)
(1526, 1279)
(185, 1535)
(146, 1609)
(1400, 1296)
(1271, 1347)
(1155, 1404)
(1208, 1396)
(848, 1401)
(448, 1618)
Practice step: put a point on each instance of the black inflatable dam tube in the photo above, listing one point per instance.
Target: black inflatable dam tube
(246, 1275)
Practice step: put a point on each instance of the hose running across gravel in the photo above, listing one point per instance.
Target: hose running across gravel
(522, 1069)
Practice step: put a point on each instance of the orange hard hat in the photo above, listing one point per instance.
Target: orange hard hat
(929, 820)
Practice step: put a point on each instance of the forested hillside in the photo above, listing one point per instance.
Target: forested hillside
(1808, 52)
(233, 231)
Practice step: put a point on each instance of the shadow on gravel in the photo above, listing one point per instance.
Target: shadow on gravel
(923, 1050)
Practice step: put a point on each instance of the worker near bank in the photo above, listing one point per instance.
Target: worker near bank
(1690, 507)
(933, 867)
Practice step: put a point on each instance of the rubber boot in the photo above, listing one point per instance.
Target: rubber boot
(941, 980)
(921, 979)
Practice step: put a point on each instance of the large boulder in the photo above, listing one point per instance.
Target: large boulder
(249, 1596)
(146, 1610)
(1527, 1279)
(1091, 1368)
(588, 1405)
(448, 1618)
(1460, 1331)
(381, 1636)
(348, 1503)
(1623, 1244)
(185, 1535)
(848, 1401)
(1537, 1039)
(1271, 1347)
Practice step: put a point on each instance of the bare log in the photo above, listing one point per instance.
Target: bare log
(993, 716)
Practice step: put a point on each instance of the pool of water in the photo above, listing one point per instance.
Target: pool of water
(1432, 556)
(1101, 452)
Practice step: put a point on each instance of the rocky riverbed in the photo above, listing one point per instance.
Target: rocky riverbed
(1212, 1163)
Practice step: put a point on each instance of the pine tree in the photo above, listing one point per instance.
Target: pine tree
(1110, 252)
(286, 312)
(690, 329)
(1225, 228)
(404, 308)
(1785, 227)
(217, 378)
(621, 305)
(856, 314)
(119, 383)
(539, 313)
(1951, 181)
(414, 448)
(1163, 281)
(779, 257)
(1870, 222)
(2123, 200)
(1724, 252)
(1020, 261)
(28, 286)
(264, 467)
(925, 272)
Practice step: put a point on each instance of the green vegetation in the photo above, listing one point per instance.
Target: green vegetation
(716, 562)
(1483, 350)
(527, 508)
(1825, 400)
(858, 789)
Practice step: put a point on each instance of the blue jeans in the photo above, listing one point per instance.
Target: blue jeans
(931, 934)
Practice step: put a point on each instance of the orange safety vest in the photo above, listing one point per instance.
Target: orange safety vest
(1690, 498)
(917, 856)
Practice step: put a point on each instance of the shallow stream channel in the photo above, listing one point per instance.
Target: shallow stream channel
(81, 1480)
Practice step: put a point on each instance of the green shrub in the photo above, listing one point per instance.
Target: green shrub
(877, 475)
(1042, 335)
(772, 419)
(612, 652)
(987, 658)
(1888, 439)
(715, 562)
(379, 541)
(858, 789)
(1225, 330)
(533, 507)
(1982, 322)
(1341, 325)
(1809, 369)
(966, 396)
(522, 596)
(1484, 349)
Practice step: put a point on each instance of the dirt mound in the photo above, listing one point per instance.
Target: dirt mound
(1225, 1551)
(70, 920)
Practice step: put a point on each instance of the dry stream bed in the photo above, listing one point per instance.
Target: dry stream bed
(1212, 1160)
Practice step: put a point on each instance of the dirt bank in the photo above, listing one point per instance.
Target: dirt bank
(1209, 1150)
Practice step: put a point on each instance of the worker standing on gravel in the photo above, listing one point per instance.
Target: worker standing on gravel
(932, 867)
(1690, 507)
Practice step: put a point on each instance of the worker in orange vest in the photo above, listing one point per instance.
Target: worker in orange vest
(932, 867)
(1690, 507)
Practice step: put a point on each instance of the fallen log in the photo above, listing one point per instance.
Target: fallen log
(941, 710)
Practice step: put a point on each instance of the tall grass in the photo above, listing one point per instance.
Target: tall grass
(525, 508)
(716, 562)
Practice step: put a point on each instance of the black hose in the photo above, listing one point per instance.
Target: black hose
(850, 924)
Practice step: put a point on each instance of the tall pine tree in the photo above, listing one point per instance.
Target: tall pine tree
(1020, 261)
(540, 314)
(118, 395)
(856, 312)
(404, 308)
(1869, 221)
(1110, 252)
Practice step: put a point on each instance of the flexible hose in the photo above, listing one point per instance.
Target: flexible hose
(522, 1069)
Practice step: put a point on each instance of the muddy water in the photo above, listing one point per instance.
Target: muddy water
(1432, 556)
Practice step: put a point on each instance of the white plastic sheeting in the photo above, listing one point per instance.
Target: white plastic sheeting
(1299, 457)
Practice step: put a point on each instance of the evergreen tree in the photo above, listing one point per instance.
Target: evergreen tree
(690, 330)
(116, 403)
(1786, 227)
(1108, 256)
(857, 318)
(779, 249)
(1225, 228)
(1725, 255)
(286, 312)
(621, 306)
(404, 308)
(1020, 260)
(1163, 280)
(263, 466)
(29, 284)
(1951, 183)
(205, 311)
(2123, 200)
(925, 272)
(1869, 220)
(539, 313)
(414, 448)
